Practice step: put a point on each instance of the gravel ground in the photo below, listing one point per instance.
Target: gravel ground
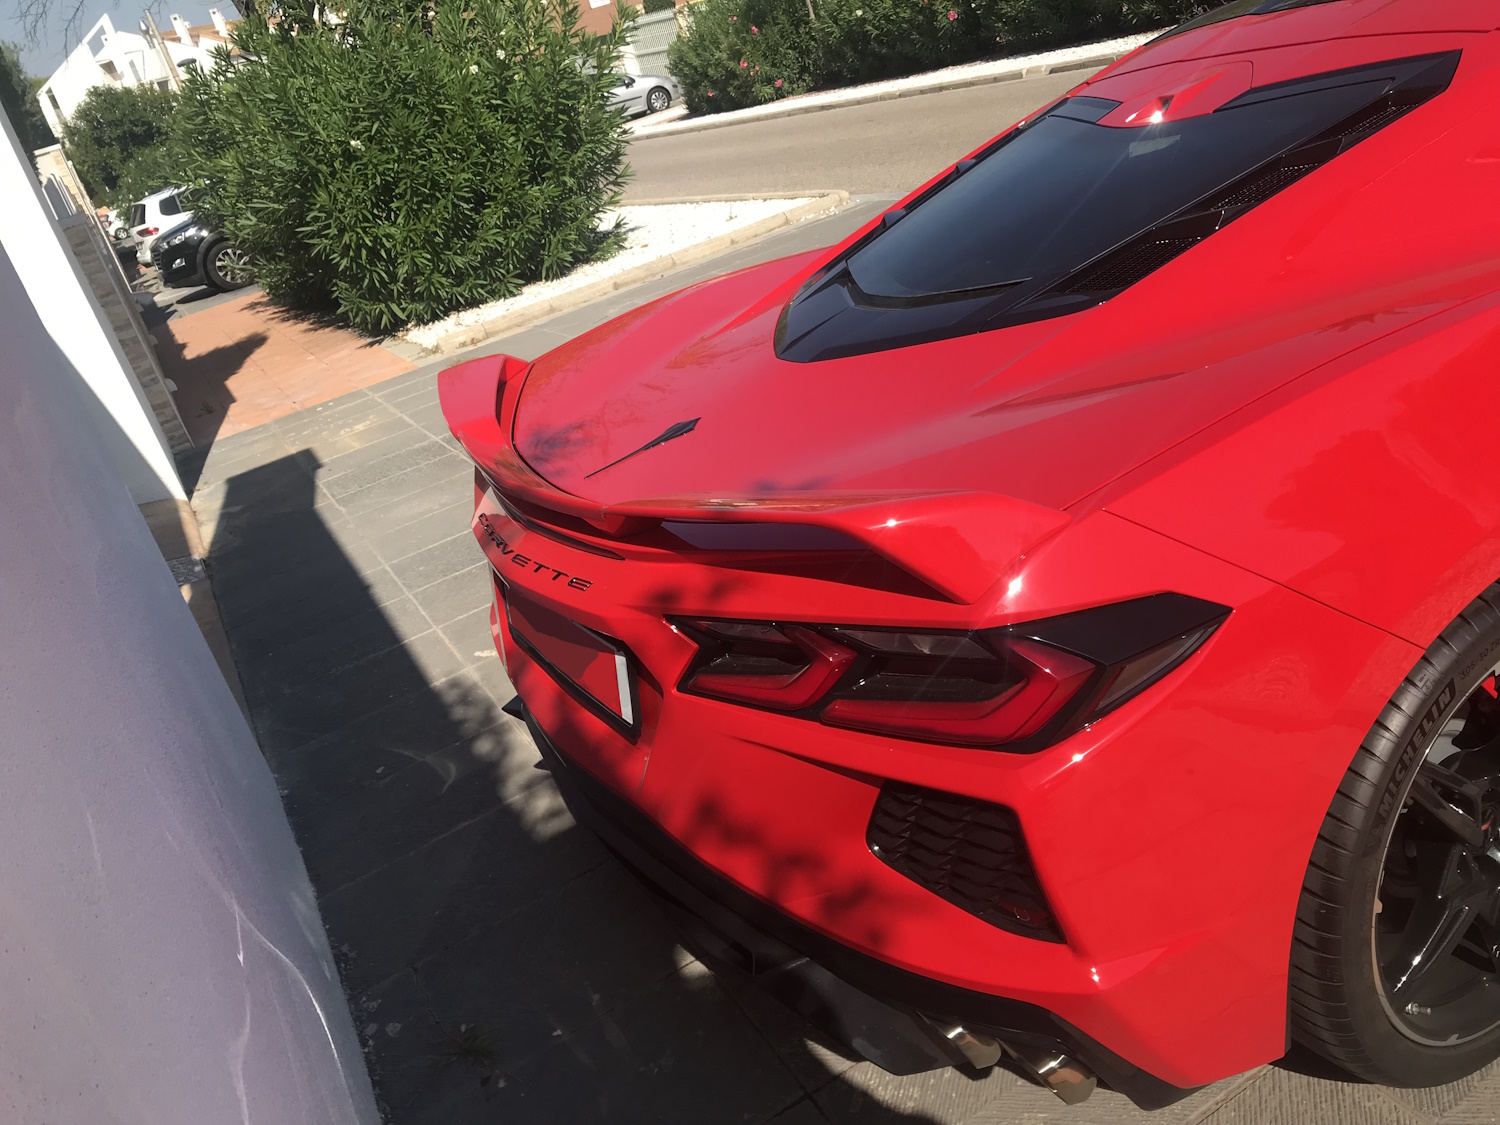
(655, 231)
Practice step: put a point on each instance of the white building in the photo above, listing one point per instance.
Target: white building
(109, 57)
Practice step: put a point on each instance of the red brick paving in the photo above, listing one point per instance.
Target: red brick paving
(247, 361)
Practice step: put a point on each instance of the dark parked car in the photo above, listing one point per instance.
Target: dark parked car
(195, 254)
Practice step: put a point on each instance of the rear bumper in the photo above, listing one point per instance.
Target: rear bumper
(885, 1013)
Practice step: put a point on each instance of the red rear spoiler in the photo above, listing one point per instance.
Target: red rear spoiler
(960, 543)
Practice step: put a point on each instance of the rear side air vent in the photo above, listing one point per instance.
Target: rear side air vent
(969, 852)
(1062, 213)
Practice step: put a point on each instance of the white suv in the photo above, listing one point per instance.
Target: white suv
(151, 216)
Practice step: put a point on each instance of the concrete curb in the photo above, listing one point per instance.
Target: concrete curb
(793, 108)
(471, 334)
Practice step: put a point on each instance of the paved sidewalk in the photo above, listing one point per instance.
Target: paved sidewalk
(500, 965)
(240, 361)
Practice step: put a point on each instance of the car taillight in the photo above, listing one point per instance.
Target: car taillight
(784, 667)
(957, 689)
(147, 232)
(1018, 687)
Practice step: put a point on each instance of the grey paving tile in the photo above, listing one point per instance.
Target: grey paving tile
(1284, 1098)
(1474, 1100)
(1026, 1103)
(404, 1046)
(402, 540)
(263, 582)
(390, 457)
(295, 664)
(484, 873)
(328, 704)
(806, 1053)
(869, 1096)
(445, 494)
(428, 415)
(442, 560)
(803, 1112)
(529, 343)
(458, 595)
(375, 743)
(375, 826)
(677, 1053)
(397, 385)
(308, 608)
(412, 394)
(448, 476)
(558, 964)
(222, 461)
(471, 638)
(341, 441)
(347, 410)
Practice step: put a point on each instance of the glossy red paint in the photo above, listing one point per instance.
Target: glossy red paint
(1286, 420)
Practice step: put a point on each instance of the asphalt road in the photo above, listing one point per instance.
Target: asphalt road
(876, 148)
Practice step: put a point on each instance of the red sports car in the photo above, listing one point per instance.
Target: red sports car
(1062, 620)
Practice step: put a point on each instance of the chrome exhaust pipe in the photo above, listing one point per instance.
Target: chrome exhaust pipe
(1064, 1075)
(980, 1049)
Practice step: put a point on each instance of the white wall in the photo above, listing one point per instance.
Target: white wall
(162, 959)
(136, 62)
(129, 438)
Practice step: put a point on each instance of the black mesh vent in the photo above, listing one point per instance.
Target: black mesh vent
(1129, 266)
(1263, 187)
(969, 852)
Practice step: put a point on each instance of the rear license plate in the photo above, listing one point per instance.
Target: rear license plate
(595, 669)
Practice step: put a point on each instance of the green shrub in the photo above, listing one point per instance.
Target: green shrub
(420, 157)
(18, 101)
(867, 40)
(117, 140)
(744, 52)
(652, 6)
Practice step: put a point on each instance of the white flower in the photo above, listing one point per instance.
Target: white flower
(500, 53)
(356, 145)
(859, 11)
(473, 68)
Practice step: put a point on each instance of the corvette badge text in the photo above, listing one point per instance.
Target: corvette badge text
(507, 551)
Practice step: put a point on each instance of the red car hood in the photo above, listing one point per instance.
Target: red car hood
(1045, 412)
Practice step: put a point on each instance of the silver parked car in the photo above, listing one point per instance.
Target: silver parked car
(644, 93)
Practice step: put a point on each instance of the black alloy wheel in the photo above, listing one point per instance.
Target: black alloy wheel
(658, 100)
(1395, 961)
(225, 266)
(1437, 918)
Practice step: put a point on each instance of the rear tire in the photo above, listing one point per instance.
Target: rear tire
(1397, 859)
(657, 100)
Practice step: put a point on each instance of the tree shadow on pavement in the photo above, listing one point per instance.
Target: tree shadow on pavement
(500, 965)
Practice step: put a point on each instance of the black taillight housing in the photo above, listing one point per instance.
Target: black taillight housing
(1018, 687)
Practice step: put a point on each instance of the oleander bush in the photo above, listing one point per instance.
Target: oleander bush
(738, 53)
(117, 140)
(414, 158)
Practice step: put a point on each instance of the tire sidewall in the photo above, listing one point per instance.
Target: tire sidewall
(1452, 669)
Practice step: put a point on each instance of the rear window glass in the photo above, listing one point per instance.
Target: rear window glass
(138, 214)
(1237, 8)
(1064, 190)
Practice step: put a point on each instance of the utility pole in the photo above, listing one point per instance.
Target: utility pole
(173, 78)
